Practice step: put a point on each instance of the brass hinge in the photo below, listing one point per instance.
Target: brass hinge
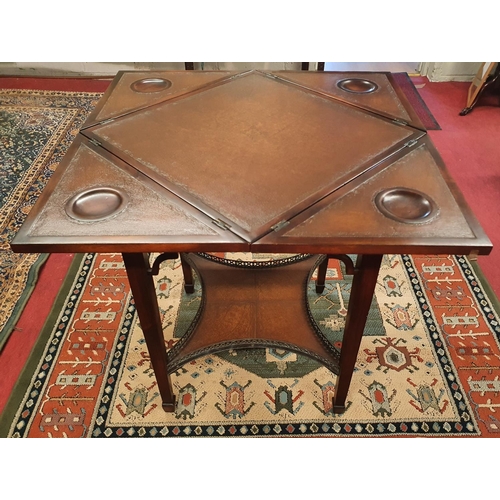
(94, 142)
(105, 122)
(220, 223)
(280, 225)
(411, 143)
(400, 122)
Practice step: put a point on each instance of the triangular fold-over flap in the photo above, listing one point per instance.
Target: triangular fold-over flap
(372, 91)
(405, 203)
(100, 199)
(131, 91)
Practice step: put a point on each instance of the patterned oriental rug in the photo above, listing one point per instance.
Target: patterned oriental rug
(429, 362)
(36, 129)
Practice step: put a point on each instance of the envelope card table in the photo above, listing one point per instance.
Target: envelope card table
(311, 165)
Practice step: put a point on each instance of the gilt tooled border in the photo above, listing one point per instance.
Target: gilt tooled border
(264, 264)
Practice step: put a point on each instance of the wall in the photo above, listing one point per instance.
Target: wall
(435, 71)
(111, 68)
(449, 71)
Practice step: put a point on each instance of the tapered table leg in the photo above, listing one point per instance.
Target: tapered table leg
(188, 275)
(146, 303)
(321, 276)
(363, 288)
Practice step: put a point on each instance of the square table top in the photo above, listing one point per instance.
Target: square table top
(262, 161)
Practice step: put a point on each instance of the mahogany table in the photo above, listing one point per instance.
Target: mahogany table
(314, 165)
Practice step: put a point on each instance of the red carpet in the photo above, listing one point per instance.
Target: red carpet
(64, 84)
(468, 145)
(470, 149)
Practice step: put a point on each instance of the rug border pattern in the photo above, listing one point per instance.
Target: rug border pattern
(29, 371)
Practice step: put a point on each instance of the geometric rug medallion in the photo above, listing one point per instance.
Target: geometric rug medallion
(429, 362)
